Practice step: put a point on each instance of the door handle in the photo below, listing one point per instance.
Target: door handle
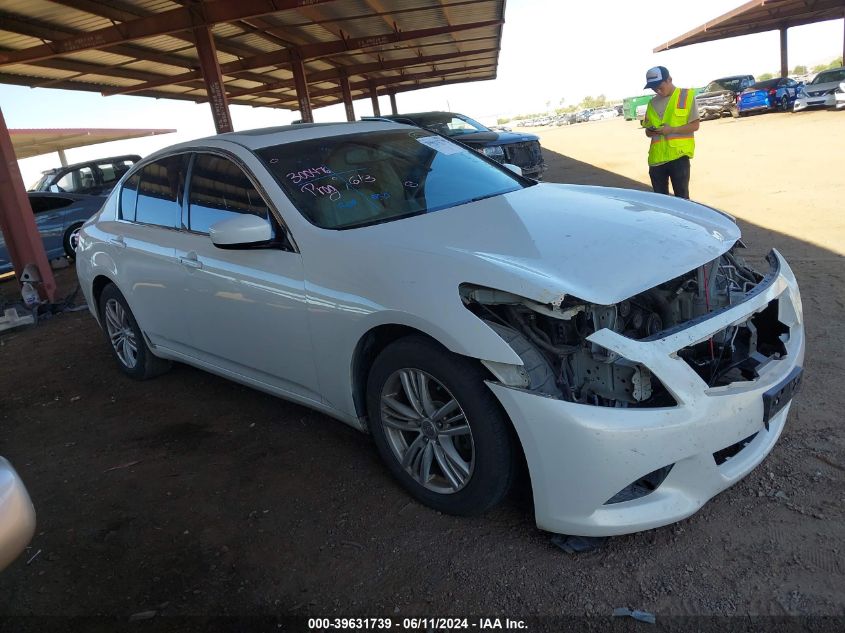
(190, 260)
(117, 241)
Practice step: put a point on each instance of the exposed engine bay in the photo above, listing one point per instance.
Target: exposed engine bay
(559, 361)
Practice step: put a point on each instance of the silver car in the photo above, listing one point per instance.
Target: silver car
(821, 91)
(466, 317)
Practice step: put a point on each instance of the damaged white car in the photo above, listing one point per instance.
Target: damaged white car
(464, 316)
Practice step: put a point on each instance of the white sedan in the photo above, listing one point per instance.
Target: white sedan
(464, 316)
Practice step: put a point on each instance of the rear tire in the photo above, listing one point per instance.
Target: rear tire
(126, 341)
(70, 240)
(438, 427)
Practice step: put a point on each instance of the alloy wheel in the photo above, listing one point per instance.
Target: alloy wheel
(427, 430)
(121, 333)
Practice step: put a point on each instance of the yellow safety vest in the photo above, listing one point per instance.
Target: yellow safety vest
(672, 146)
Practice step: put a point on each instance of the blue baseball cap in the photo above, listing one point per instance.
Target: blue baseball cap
(655, 76)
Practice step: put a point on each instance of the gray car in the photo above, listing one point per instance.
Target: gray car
(58, 217)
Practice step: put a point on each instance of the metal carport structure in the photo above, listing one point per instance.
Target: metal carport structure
(759, 16)
(289, 54)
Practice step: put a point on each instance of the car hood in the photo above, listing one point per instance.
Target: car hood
(494, 138)
(599, 244)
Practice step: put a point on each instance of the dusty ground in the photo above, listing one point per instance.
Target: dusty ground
(192, 496)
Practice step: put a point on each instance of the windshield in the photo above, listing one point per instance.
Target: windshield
(828, 77)
(355, 180)
(41, 183)
(449, 124)
(729, 83)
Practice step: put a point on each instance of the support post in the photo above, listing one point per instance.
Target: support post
(374, 98)
(347, 96)
(17, 222)
(301, 87)
(210, 68)
(62, 158)
(393, 103)
(784, 64)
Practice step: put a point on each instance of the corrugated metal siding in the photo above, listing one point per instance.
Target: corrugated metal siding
(306, 25)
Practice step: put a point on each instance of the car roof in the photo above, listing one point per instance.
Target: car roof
(56, 170)
(279, 135)
(411, 115)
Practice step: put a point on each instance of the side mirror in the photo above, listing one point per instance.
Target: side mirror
(241, 231)
(54, 189)
(17, 515)
(514, 168)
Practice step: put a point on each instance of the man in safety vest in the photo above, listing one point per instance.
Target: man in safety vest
(670, 122)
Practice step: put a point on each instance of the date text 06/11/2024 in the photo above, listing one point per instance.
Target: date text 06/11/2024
(440, 624)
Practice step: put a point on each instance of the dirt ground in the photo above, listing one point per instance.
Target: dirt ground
(190, 496)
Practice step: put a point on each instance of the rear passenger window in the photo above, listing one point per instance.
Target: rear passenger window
(160, 192)
(220, 190)
(128, 197)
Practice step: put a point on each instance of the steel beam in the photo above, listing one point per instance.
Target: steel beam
(417, 85)
(163, 23)
(393, 103)
(784, 61)
(334, 74)
(309, 51)
(388, 81)
(213, 80)
(301, 82)
(347, 97)
(374, 97)
(23, 241)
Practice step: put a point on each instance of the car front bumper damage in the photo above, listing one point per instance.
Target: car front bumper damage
(580, 457)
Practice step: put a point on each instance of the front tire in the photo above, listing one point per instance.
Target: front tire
(126, 340)
(438, 428)
(784, 104)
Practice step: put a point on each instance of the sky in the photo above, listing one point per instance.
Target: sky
(551, 51)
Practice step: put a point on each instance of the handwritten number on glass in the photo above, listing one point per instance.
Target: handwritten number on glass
(357, 179)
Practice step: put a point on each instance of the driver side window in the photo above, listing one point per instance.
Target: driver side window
(220, 189)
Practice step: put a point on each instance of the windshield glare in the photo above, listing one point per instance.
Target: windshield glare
(40, 184)
(828, 77)
(450, 124)
(355, 180)
(724, 84)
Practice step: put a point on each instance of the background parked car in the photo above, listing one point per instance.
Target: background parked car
(582, 116)
(840, 96)
(58, 217)
(719, 97)
(603, 113)
(518, 149)
(772, 94)
(821, 91)
(93, 177)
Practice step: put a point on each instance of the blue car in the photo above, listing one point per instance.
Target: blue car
(768, 95)
(58, 217)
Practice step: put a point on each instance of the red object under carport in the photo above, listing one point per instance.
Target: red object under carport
(17, 221)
